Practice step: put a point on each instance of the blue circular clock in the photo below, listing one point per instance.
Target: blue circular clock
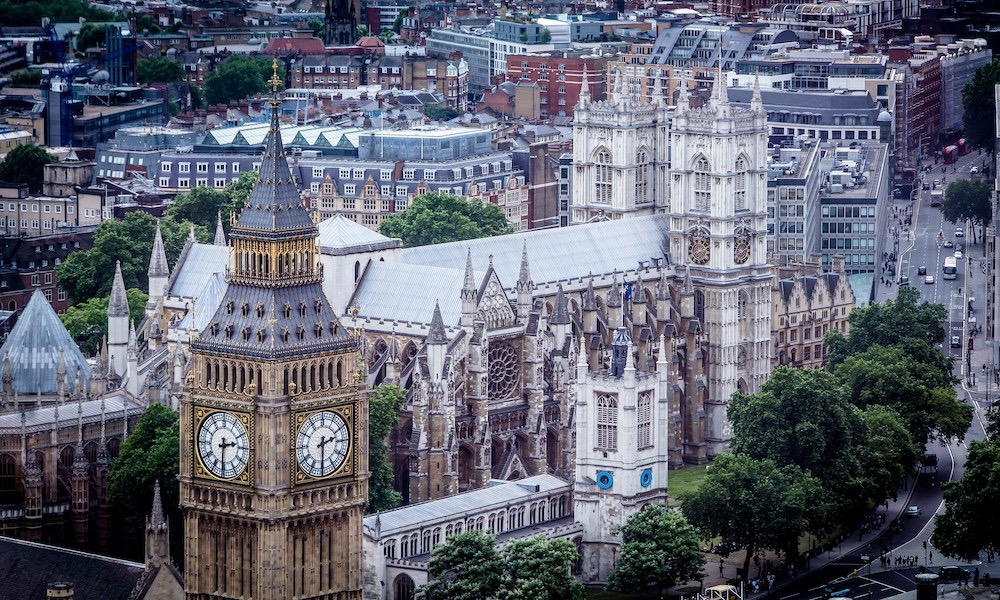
(646, 478)
(605, 480)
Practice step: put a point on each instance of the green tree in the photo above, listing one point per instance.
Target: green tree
(968, 199)
(26, 164)
(922, 396)
(92, 36)
(317, 27)
(26, 77)
(19, 13)
(440, 112)
(914, 327)
(239, 190)
(87, 322)
(159, 70)
(383, 415)
(202, 206)
(755, 504)
(540, 569)
(545, 37)
(362, 31)
(979, 118)
(888, 453)
(387, 36)
(465, 567)
(84, 275)
(398, 23)
(146, 23)
(802, 417)
(969, 524)
(659, 550)
(150, 454)
(435, 217)
(239, 77)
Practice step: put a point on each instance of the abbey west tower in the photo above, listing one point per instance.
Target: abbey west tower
(274, 463)
(718, 186)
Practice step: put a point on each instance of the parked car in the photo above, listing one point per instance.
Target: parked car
(912, 512)
(953, 573)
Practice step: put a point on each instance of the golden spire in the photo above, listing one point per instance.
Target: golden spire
(275, 82)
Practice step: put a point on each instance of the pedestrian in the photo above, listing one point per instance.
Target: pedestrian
(720, 567)
(930, 558)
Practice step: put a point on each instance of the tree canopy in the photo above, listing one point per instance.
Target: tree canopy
(659, 550)
(150, 454)
(19, 13)
(92, 35)
(159, 70)
(238, 77)
(383, 415)
(435, 217)
(87, 322)
(979, 118)
(969, 524)
(440, 112)
(968, 199)
(202, 206)
(468, 566)
(26, 164)
(86, 274)
(756, 504)
(465, 567)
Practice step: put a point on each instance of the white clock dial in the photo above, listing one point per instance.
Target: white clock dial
(323, 443)
(223, 445)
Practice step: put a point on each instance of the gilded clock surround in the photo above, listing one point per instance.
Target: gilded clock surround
(199, 469)
(349, 467)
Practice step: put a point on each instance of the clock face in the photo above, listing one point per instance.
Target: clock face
(741, 249)
(698, 249)
(322, 444)
(223, 445)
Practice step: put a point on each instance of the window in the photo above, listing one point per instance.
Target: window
(46, 208)
(318, 172)
(349, 189)
(219, 182)
(236, 167)
(386, 190)
(644, 420)
(607, 422)
(642, 178)
(183, 168)
(345, 174)
(702, 185)
(34, 208)
(741, 184)
(35, 280)
(314, 187)
(401, 191)
(220, 167)
(203, 167)
(602, 178)
(202, 182)
(408, 173)
(358, 174)
(183, 182)
(430, 174)
(385, 174)
(165, 167)
(164, 182)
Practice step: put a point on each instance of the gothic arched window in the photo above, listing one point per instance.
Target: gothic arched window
(607, 422)
(644, 420)
(702, 185)
(602, 177)
(741, 184)
(642, 178)
(8, 480)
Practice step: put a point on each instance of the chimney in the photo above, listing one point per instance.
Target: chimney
(59, 590)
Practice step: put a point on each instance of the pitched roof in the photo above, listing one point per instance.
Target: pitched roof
(498, 493)
(26, 568)
(340, 235)
(403, 292)
(205, 304)
(33, 348)
(42, 418)
(570, 252)
(195, 267)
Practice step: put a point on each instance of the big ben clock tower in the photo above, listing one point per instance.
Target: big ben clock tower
(274, 465)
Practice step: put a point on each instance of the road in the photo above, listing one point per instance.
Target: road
(921, 244)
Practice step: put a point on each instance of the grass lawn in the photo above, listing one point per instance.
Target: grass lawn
(685, 480)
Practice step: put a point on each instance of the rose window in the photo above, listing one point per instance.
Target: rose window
(504, 370)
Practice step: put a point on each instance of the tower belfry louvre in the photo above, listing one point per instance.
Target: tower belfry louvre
(274, 463)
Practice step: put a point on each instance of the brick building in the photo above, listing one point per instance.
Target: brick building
(558, 76)
(29, 263)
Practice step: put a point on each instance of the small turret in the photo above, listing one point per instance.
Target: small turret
(620, 352)
(118, 322)
(157, 533)
(158, 271)
(437, 344)
(469, 293)
(525, 286)
(583, 100)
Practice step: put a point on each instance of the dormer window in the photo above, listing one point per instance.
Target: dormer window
(260, 311)
(287, 310)
(319, 306)
(245, 309)
(213, 328)
(334, 328)
(229, 331)
(229, 307)
(284, 334)
(318, 330)
(246, 333)
(302, 308)
(301, 332)
(261, 335)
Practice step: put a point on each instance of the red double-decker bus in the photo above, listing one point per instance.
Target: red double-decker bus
(963, 147)
(950, 154)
